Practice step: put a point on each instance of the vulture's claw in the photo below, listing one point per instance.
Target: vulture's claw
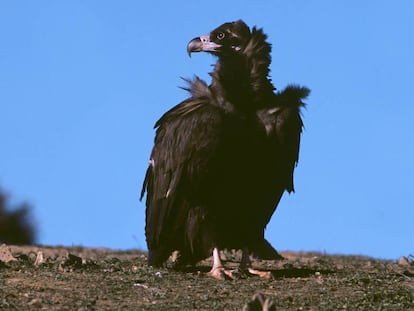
(220, 273)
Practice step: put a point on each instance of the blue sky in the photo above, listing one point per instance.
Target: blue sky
(82, 83)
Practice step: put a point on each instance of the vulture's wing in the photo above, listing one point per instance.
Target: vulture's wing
(186, 142)
(283, 126)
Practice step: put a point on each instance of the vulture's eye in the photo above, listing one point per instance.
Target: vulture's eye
(220, 35)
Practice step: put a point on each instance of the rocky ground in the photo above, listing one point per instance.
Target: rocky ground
(61, 278)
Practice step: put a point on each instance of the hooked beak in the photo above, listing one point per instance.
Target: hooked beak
(202, 44)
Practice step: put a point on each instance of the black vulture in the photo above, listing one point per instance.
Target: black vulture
(223, 157)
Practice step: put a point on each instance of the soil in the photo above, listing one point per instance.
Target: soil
(76, 278)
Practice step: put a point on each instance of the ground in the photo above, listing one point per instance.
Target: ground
(76, 278)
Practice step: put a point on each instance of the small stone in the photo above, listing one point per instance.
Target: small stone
(39, 259)
(259, 302)
(6, 254)
(158, 274)
(73, 261)
(37, 302)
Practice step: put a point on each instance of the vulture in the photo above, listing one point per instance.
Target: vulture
(223, 157)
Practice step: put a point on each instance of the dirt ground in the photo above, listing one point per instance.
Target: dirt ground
(61, 278)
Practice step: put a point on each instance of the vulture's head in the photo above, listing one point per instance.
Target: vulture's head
(228, 38)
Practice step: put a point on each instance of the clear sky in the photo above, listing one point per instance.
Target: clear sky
(82, 83)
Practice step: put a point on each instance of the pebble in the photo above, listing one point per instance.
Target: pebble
(6, 254)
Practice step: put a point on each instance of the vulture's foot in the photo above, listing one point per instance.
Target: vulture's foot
(245, 272)
(259, 273)
(220, 273)
(242, 273)
(246, 266)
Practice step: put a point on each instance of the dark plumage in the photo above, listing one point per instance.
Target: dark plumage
(223, 157)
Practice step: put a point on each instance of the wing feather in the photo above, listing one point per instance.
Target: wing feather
(185, 146)
(283, 126)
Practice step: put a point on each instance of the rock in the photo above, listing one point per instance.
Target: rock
(259, 302)
(35, 302)
(405, 261)
(39, 259)
(72, 261)
(6, 254)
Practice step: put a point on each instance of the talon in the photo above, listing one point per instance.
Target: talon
(229, 274)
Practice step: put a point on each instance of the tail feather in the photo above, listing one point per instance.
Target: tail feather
(264, 250)
(157, 257)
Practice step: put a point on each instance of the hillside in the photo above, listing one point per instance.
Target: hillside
(61, 278)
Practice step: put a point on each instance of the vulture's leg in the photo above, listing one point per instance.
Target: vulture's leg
(218, 271)
(246, 266)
